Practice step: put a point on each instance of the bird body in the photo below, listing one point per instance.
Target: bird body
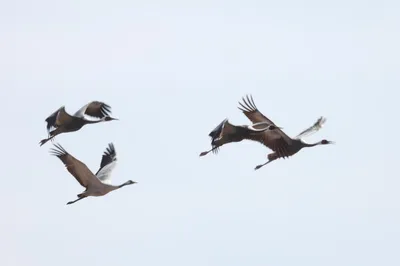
(276, 140)
(226, 133)
(62, 122)
(96, 184)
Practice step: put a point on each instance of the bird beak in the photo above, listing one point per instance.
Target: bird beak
(332, 142)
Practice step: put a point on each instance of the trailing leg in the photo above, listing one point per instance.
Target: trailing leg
(206, 152)
(70, 202)
(271, 157)
(52, 134)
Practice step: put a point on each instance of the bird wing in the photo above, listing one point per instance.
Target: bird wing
(224, 128)
(250, 110)
(229, 129)
(58, 118)
(274, 139)
(108, 163)
(95, 109)
(314, 128)
(78, 169)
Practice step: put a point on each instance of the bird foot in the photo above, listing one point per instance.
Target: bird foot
(43, 141)
(258, 167)
(203, 153)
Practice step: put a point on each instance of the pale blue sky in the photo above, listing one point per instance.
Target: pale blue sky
(172, 70)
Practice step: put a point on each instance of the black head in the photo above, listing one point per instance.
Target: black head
(109, 118)
(324, 142)
(129, 182)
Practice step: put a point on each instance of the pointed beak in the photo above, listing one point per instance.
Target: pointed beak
(332, 142)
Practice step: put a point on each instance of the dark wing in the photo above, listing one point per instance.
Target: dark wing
(108, 162)
(98, 109)
(224, 129)
(78, 169)
(95, 109)
(58, 118)
(250, 110)
(274, 139)
(314, 128)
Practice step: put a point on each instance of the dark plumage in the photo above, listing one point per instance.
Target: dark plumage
(226, 133)
(276, 140)
(62, 122)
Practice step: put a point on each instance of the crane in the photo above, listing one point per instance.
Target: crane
(281, 144)
(62, 122)
(96, 185)
(226, 133)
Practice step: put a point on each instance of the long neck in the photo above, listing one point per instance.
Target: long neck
(93, 121)
(311, 144)
(124, 184)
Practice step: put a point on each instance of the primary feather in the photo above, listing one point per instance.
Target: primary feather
(107, 165)
(314, 128)
(94, 109)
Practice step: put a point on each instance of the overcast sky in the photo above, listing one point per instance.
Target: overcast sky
(172, 71)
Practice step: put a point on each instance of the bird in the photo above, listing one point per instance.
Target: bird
(96, 185)
(226, 133)
(281, 144)
(62, 122)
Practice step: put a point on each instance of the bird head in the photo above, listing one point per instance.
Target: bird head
(129, 182)
(109, 118)
(324, 142)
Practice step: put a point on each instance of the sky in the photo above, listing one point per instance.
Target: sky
(172, 71)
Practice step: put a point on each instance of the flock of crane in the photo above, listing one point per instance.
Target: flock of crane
(262, 130)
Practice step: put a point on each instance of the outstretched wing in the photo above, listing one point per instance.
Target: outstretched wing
(78, 169)
(95, 109)
(58, 118)
(108, 163)
(314, 128)
(274, 139)
(250, 110)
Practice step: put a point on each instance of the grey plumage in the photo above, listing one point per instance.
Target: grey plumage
(96, 184)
